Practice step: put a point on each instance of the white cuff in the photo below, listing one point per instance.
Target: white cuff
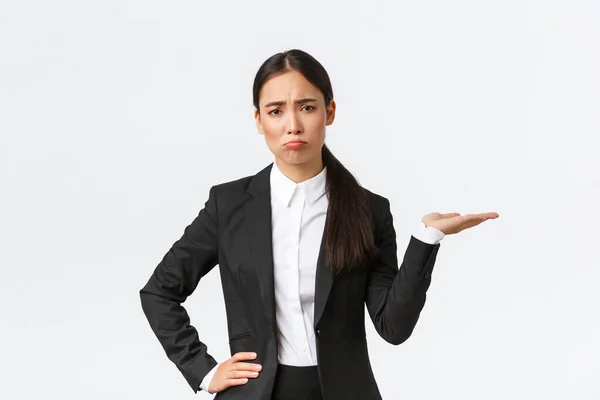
(428, 234)
(208, 378)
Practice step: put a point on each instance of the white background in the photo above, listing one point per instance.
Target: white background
(116, 117)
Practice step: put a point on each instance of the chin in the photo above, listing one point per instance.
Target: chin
(293, 160)
(297, 158)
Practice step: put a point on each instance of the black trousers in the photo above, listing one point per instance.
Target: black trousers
(296, 383)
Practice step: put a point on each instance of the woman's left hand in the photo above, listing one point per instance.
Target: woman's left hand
(453, 222)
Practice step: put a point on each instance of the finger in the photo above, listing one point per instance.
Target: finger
(234, 382)
(243, 356)
(242, 374)
(484, 216)
(474, 217)
(244, 366)
(471, 224)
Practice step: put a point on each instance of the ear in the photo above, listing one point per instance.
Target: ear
(330, 113)
(259, 126)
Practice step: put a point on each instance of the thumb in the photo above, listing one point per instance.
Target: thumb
(449, 215)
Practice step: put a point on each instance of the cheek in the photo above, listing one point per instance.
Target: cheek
(317, 122)
(272, 136)
(317, 129)
(272, 129)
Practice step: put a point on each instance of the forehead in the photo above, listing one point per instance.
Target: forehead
(289, 85)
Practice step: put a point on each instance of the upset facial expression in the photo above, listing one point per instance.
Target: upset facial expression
(292, 116)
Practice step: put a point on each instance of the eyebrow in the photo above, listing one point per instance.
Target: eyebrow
(299, 101)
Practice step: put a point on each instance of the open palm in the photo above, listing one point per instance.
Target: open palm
(454, 222)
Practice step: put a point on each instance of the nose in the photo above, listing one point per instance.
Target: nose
(293, 124)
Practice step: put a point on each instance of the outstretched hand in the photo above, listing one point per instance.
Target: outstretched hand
(454, 222)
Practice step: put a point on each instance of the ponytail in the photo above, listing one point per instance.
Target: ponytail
(349, 239)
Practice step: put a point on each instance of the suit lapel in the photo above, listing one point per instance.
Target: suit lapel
(323, 281)
(259, 232)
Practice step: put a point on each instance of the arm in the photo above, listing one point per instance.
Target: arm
(395, 297)
(174, 279)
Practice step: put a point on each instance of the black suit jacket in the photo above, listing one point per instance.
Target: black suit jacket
(233, 230)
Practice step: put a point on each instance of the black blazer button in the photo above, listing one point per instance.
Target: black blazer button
(318, 332)
(427, 275)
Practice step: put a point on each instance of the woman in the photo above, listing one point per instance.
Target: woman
(301, 247)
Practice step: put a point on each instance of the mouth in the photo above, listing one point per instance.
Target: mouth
(294, 144)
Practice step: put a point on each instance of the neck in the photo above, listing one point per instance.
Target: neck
(300, 172)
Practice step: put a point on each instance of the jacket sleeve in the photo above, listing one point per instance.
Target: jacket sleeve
(395, 296)
(173, 280)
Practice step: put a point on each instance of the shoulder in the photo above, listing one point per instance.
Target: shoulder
(240, 189)
(230, 195)
(376, 199)
(233, 187)
(380, 205)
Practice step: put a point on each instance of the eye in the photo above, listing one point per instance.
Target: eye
(275, 111)
(309, 108)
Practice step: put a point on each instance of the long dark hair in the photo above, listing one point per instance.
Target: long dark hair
(349, 240)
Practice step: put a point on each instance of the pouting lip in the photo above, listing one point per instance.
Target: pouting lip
(295, 141)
